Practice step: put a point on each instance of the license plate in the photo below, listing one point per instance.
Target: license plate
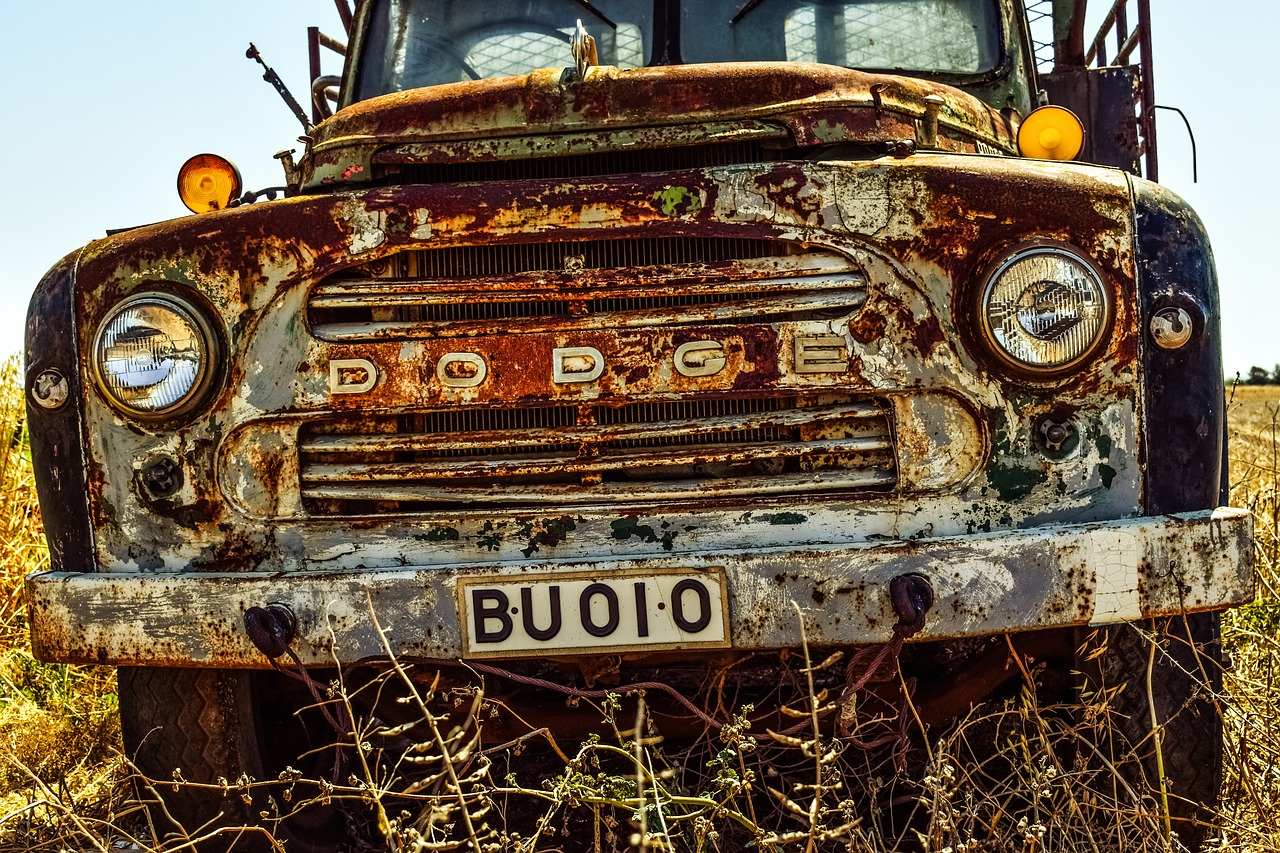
(576, 613)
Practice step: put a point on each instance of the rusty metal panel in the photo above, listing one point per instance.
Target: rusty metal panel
(907, 241)
(524, 147)
(547, 115)
(1051, 576)
(1106, 100)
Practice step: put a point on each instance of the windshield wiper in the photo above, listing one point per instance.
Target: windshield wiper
(586, 4)
(744, 11)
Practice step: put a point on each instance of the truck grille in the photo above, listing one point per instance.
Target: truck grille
(595, 164)
(616, 284)
(595, 454)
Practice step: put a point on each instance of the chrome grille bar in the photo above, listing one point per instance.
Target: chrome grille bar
(500, 442)
(574, 286)
(598, 454)
(430, 496)
(543, 465)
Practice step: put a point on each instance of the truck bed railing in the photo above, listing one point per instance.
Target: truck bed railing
(1123, 39)
(1115, 31)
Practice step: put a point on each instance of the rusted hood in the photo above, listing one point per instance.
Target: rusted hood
(811, 103)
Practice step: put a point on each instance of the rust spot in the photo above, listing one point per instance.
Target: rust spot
(791, 190)
(868, 326)
(926, 335)
(236, 553)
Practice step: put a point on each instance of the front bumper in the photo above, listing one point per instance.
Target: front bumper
(1043, 577)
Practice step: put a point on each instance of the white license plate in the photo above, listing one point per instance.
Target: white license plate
(576, 613)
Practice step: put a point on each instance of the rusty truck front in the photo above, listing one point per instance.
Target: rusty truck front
(594, 373)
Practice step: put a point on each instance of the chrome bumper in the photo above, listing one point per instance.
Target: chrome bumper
(1043, 577)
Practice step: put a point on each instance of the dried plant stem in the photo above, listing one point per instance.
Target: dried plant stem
(1157, 734)
(430, 719)
(640, 774)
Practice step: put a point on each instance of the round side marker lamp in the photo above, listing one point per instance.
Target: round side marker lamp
(208, 182)
(1051, 133)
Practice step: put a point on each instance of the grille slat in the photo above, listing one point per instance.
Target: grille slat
(646, 421)
(622, 314)
(593, 164)
(813, 270)
(597, 454)
(423, 496)
(621, 284)
(670, 455)
(498, 259)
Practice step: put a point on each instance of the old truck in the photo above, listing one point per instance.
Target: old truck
(603, 342)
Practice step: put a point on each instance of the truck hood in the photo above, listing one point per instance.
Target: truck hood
(551, 113)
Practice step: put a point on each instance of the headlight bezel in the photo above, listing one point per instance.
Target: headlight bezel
(208, 378)
(991, 343)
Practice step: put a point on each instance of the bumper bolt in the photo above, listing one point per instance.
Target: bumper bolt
(162, 477)
(271, 629)
(911, 595)
(901, 149)
(1055, 434)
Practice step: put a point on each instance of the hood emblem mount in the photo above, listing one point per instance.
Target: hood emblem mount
(583, 47)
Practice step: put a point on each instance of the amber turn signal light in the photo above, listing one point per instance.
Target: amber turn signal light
(208, 182)
(1051, 133)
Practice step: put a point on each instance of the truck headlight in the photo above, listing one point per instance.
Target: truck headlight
(1044, 309)
(153, 355)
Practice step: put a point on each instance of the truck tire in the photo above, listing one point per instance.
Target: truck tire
(192, 722)
(204, 724)
(1185, 683)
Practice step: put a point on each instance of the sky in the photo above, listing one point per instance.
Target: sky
(108, 99)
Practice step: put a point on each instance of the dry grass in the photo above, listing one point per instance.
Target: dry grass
(1016, 776)
(1251, 635)
(59, 726)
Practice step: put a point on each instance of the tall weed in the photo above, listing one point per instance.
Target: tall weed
(1031, 786)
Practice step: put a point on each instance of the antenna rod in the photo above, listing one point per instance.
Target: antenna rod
(274, 79)
(344, 12)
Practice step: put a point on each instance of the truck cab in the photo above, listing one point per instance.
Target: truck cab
(602, 343)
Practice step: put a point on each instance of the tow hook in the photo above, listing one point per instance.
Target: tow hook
(912, 596)
(271, 629)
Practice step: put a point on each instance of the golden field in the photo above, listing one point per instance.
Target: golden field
(65, 785)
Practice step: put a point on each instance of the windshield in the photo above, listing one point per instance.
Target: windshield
(412, 43)
(936, 36)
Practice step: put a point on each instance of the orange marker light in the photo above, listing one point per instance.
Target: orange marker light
(208, 182)
(1051, 133)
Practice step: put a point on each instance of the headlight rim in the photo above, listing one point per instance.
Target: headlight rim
(199, 314)
(1021, 369)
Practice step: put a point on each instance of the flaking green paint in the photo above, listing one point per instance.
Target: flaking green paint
(825, 131)
(438, 534)
(678, 201)
(1012, 482)
(1009, 473)
(489, 536)
(548, 532)
(1107, 473)
(625, 528)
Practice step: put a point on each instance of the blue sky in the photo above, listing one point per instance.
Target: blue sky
(106, 100)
